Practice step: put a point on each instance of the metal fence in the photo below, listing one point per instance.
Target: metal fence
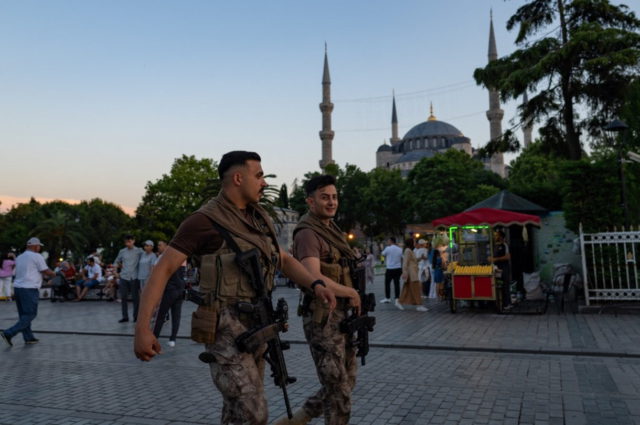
(610, 265)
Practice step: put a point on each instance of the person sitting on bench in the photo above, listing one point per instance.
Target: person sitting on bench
(92, 276)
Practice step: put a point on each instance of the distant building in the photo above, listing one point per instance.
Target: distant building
(425, 139)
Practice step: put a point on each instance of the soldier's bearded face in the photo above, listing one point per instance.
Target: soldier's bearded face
(324, 202)
(253, 182)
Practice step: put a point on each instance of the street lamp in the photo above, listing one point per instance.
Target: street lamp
(615, 128)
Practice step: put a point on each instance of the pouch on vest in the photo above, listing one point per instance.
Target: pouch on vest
(204, 322)
(320, 312)
(332, 270)
(220, 275)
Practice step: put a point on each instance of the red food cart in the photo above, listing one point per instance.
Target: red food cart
(471, 242)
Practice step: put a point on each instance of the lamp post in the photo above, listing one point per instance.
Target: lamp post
(615, 128)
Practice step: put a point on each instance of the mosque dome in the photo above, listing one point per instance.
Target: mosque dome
(432, 128)
(431, 135)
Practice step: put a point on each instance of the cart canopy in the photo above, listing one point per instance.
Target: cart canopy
(487, 216)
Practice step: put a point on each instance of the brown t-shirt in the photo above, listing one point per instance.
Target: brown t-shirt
(196, 235)
(308, 243)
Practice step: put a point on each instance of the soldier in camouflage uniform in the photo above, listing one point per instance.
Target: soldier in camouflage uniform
(322, 248)
(237, 375)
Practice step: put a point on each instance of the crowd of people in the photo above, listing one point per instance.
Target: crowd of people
(22, 278)
(419, 266)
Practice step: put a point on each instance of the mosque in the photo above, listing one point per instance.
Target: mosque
(425, 139)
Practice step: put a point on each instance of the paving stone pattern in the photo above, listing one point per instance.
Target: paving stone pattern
(94, 378)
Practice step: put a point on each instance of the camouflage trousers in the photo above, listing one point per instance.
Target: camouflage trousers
(336, 366)
(238, 376)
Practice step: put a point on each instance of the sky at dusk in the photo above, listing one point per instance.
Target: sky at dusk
(100, 97)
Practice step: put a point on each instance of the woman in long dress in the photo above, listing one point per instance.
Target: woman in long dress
(411, 293)
(369, 266)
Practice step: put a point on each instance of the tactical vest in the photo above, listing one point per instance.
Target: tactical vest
(224, 282)
(336, 267)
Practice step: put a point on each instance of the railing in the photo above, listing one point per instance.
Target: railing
(610, 265)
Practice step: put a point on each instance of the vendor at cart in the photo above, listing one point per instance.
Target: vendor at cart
(501, 258)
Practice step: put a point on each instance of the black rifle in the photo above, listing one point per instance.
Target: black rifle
(269, 323)
(359, 326)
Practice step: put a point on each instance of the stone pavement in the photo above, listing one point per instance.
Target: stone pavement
(474, 367)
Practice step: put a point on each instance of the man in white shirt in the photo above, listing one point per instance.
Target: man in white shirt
(393, 262)
(92, 276)
(30, 266)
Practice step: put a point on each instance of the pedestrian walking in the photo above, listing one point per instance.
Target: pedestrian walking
(393, 262)
(30, 267)
(369, 266)
(235, 216)
(147, 259)
(127, 261)
(411, 289)
(171, 300)
(320, 245)
(422, 255)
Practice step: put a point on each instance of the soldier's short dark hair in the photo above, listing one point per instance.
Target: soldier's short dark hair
(232, 158)
(318, 182)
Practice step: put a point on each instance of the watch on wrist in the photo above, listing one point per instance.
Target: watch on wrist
(316, 283)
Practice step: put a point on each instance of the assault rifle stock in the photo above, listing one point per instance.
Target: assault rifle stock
(359, 326)
(269, 323)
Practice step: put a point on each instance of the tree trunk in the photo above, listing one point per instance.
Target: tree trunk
(573, 138)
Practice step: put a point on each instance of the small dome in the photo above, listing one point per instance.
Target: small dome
(385, 148)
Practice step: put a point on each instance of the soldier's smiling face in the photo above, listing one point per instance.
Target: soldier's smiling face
(323, 202)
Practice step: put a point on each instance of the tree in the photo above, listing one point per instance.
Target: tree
(103, 224)
(536, 176)
(385, 210)
(588, 62)
(447, 184)
(17, 223)
(283, 197)
(591, 194)
(174, 196)
(61, 235)
(631, 116)
(350, 183)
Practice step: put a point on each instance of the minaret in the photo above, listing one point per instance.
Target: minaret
(527, 127)
(326, 107)
(494, 114)
(394, 123)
